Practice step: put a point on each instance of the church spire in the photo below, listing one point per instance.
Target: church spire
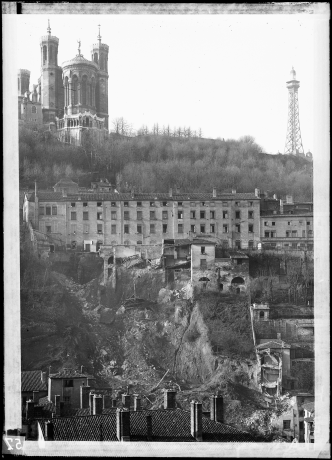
(49, 28)
(99, 36)
(79, 47)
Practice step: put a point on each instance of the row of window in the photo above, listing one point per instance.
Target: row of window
(165, 203)
(126, 215)
(48, 210)
(289, 234)
(202, 228)
(300, 222)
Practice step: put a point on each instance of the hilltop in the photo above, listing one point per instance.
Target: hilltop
(155, 163)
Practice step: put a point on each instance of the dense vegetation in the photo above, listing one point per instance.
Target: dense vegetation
(157, 162)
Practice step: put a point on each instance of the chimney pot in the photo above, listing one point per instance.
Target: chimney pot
(170, 193)
(82, 369)
(123, 425)
(91, 395)
(84, 396)
(257, 192)
(132, 193)
(49, 431)
(217, 408)
(97, 405)
(30, 409)
(214, 192)
(126, 401)
(149, 427)
(196, 420)
(64, 193)
(137, 403)
(275, 196)
(233, 191)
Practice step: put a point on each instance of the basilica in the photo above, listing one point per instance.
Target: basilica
(71, 99)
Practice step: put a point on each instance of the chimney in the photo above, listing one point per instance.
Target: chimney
(233, 191)
(64, 193)
(289, 199)
(35, 396)
(49, 431)
(275, 196)
(126, 401)
(43, 377)
(257, 192)
(132, 193)
(49, 370)
(170, 193)
(196, 420)
(149, 427)
(217, 408)
(91, 395)
(214, 192)
(113, 402)
(82, 369)
(57, 405)
(279, 335)
(36, 189)
(84, 397)
(281, 207)
(97, 405)
(123, 424)
(30, 409)
(169, 399)
(106, 401)
(137, 403)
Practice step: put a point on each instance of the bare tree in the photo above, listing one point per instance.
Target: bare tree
(200, 134)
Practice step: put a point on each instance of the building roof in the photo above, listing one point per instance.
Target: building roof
(67, 373)
(113, 196)
(275, 343)
(79, 59)
(203, 241)
(31, 381)
(310, 407)
(167, 425)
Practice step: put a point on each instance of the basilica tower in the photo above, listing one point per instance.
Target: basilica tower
(52, 94)
(99, 55)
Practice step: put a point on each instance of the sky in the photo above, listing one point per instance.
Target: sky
(225, 74)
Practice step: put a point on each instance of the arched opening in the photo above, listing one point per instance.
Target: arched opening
(51, 54)
(221, 287)
(110, 260)
(84, 90)
(95, 58)
(261, 315)
(237, 280)
(44, 54)
(204, 278)
(75, 90)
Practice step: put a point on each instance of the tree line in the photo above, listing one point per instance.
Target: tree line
(150, 163)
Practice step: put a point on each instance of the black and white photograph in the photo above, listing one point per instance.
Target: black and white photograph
(166, 229)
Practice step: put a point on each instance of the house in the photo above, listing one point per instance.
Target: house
(309, 422)
(33, 385)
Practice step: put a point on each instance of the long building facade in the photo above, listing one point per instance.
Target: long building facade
(83, 220)
(72, 98)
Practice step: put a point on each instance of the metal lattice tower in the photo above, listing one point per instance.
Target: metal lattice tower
(293, 138)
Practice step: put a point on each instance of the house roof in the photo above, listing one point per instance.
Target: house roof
(310, 407)
(112, 196)
(203, 241)
(65, 182)
(273, 344)
(67, 373)
(31, 381)
(167, 425)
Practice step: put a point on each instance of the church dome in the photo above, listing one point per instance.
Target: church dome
(79, 59)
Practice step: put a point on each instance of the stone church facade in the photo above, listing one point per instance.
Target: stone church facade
(73, 98)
